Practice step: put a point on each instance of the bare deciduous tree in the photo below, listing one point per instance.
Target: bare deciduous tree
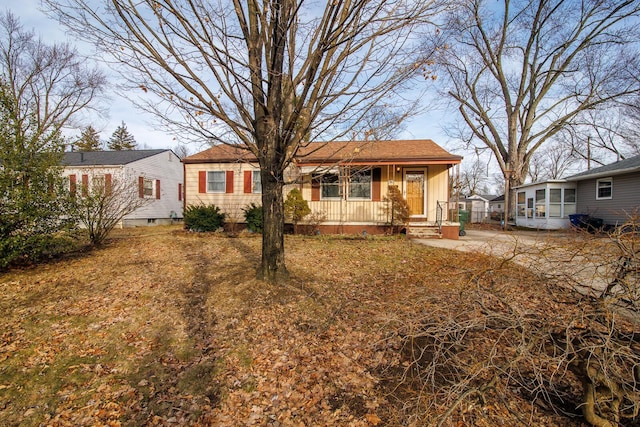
(553, 161)
(105, 201)
(474, 177)
(519, 71)
(51, 84)
(268, 75)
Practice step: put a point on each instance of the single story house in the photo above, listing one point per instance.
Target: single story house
(344, 183)
(610, 192)
(545, 205)
(154, 174)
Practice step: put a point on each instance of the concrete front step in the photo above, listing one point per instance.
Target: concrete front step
(423, 232)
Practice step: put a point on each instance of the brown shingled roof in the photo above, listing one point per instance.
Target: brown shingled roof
(222, 153)
(376, 152)
(352, 152)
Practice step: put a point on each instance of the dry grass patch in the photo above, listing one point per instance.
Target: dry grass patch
(163, 326)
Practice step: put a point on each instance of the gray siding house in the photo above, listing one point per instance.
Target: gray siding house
(610, 192)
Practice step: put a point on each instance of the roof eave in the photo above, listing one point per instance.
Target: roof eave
(603, 174)
(368, 162)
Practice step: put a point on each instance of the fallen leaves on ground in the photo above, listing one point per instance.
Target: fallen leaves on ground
(165, 327)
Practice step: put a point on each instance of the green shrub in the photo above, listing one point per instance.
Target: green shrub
(26, 250)
(296, 207)
(203, 218)
(253, 217)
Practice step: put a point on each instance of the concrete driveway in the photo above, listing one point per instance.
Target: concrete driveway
(568, 258)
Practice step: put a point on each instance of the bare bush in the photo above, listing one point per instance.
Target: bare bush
(104, 203)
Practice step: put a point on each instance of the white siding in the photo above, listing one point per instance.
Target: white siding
(164, 167)
(167, 168)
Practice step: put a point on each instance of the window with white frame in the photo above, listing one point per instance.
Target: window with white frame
(522, 204)
(555, 202)
(604, 188)
(541, 207)
(360, 184)
(216, 182)
(329, 186)
(569, 201)
(98, 183)
(148, 187)
(256, 182)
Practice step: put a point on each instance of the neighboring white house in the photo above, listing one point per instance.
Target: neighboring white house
(157, 174)
(478, 207)
(545, 205)
(496, 207)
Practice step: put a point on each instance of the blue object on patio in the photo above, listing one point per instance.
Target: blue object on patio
(579, 220)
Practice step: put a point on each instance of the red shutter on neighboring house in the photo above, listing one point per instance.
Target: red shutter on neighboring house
(85, 184)
(107, 184)
(229, 183)
(180, 192)
(248, 182)
(202, 181)
(72, 184)
(376, 175)
(141, 187)
(315, 189)
(157, 189)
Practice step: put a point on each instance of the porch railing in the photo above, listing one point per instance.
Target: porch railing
(340, 211)
(440, 207)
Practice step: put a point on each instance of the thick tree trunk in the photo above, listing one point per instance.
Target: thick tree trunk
(272, 268)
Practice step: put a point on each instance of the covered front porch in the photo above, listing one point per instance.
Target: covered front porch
(354, 199)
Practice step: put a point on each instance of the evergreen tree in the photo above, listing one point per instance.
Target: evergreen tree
(296, 207)
(89, 140)
(121, 139)
(35, 204)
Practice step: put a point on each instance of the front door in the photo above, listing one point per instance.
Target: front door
(415, 181)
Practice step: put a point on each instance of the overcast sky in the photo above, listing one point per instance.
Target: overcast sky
(140, 125)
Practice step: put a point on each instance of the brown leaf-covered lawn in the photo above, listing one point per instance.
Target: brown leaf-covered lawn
(166, 327)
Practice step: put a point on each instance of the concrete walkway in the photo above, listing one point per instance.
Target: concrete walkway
(565, 257)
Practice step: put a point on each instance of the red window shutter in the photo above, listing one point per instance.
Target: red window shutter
(202, 181)
(376, 175)
(229, 182)
(85, 184)
(248, 181)
(72, 184)
(179, 191)
(315, 189)
(141, 187)
(158, 189)
(107, 184)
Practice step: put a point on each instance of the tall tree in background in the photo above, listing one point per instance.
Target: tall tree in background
(553, 161)
(42, 89)
(268, 75)
(89, 140)
(474, 177)
(121, 139)
(520, 71)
